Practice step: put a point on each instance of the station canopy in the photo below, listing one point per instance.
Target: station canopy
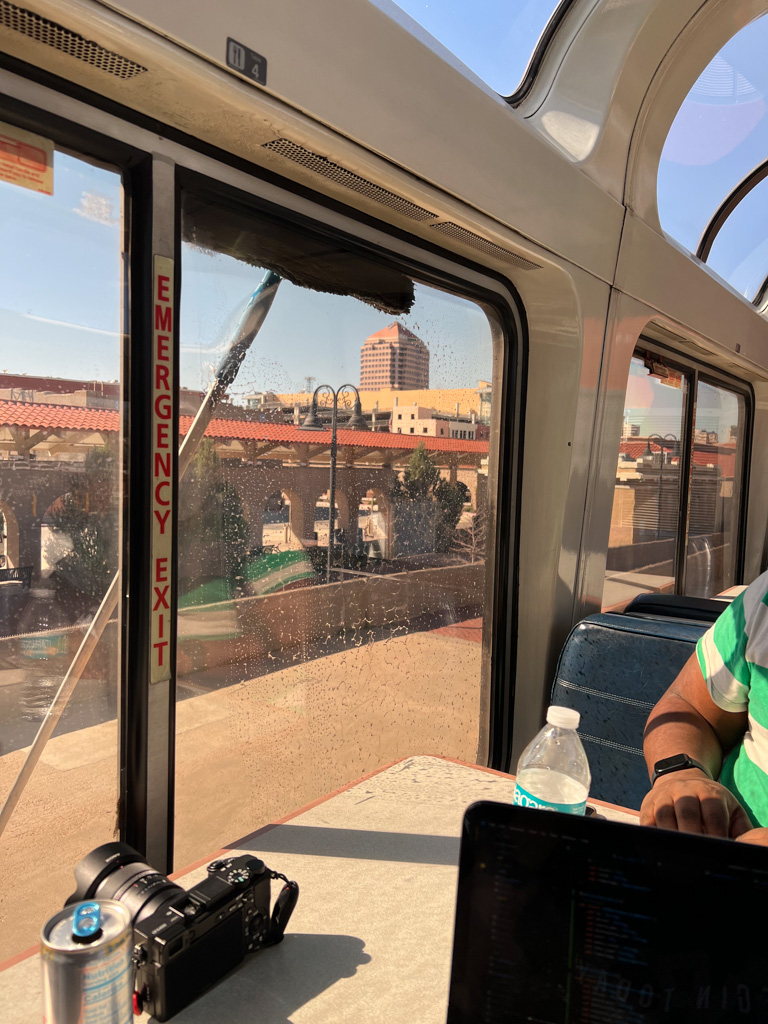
(712, 186)
(498, 41)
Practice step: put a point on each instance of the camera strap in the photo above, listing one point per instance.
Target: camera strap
(283, 908)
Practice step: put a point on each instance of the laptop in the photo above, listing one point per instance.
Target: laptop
(569, 920)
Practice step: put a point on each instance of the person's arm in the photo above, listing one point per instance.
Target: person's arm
(687, 721)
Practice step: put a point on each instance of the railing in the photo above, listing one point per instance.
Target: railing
(21, 575)
(27, 464)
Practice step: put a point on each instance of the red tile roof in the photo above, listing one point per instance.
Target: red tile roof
(244, 430)
(722, 455)
(64, 417)
(38, 416)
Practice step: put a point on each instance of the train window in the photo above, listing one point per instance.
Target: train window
(497, 41)
(716, 490)
(717, 137)
(331, 594)
(61, 287)
(739, 251)
(677, 500)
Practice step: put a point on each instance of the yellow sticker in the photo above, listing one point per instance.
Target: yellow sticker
(26, 159)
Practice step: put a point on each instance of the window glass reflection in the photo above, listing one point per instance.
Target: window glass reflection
(61, 285)
(715, 491)
(646, 501)
(331, 598)
(647, 505)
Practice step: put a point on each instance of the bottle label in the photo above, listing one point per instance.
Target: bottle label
(522, 798)
(43, 645)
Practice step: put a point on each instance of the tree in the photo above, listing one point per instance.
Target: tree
(469, 541)
(219, 522)
(222, 521)
(88, 517)
(428, 504)
(419, 479)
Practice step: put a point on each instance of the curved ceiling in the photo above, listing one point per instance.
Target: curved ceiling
(711, 191)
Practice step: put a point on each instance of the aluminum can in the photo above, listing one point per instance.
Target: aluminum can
(87, 970)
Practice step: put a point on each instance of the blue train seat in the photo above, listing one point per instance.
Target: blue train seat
(612, 670)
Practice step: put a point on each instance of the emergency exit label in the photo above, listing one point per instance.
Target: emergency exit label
(163, 443)
(26, 159)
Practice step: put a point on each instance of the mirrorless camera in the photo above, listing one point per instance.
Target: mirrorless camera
(186, 939)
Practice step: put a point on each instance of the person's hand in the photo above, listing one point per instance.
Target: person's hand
(757, 836)
(687, 801)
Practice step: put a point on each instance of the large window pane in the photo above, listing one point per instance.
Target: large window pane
(718, 449)
(646, 502)
(496, 40)
(290, 685)
(648, 497)
(740, 250)
(61, 282)
(718, 136)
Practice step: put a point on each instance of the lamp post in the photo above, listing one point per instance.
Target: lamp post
(355, 422)
(662, 443)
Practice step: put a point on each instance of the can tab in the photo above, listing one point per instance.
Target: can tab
(86, 923)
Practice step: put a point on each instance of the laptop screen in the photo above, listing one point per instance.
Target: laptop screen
(567, 920)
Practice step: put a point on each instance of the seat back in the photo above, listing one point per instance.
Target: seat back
(678, 606)
(612, 670)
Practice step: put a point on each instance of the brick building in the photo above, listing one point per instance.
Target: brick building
(394, 358)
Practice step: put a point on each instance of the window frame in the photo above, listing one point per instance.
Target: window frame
(514, 99)
(501, 592)
(90, 123)
(135, 165)
(696, 371)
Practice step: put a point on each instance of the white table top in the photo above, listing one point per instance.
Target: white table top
(372, 933)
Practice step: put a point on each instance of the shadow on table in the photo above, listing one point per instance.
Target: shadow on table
(271, 985)
(360, 844)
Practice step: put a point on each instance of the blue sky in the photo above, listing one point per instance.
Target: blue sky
(718, 137)
(60, 274)
(494, 38)
(60, 302)
(61, 263)
(310, 333)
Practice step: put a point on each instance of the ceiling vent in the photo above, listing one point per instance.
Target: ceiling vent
(460, 234)
(59, 38)
(347, 179)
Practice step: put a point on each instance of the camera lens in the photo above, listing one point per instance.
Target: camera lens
(140, 888)
(115, 871)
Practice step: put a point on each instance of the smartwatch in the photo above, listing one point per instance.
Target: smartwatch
(676, 763)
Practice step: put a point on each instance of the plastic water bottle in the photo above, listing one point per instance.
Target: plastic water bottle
(43, 644)
(553, 771)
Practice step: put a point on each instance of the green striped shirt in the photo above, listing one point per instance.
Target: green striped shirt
(733, 656)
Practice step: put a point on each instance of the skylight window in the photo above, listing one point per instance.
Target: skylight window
(740, 250)
(496, 40)
(719, 136)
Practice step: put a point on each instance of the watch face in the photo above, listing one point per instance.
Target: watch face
(677, 761)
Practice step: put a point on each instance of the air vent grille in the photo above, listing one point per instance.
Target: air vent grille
(470, 238)
(334, 172)
(48, 32)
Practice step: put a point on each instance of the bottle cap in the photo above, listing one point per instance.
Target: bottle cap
(563, 718)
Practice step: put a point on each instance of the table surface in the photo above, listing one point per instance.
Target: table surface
(377, 866)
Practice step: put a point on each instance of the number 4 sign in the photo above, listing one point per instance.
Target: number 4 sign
(246, 62)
